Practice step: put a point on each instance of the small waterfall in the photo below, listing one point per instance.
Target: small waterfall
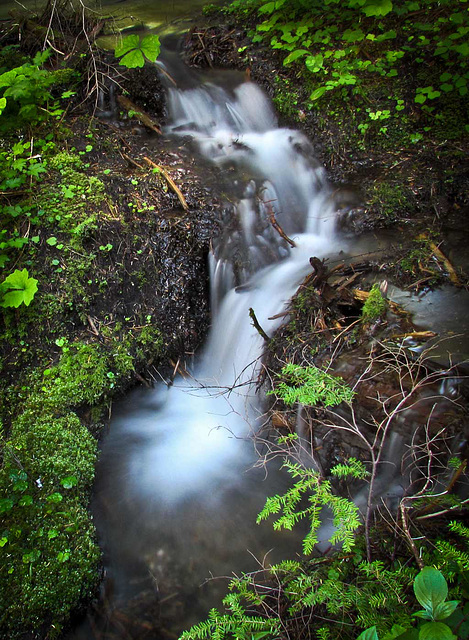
(176, 459)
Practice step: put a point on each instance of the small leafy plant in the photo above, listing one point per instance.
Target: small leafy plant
(431, 591)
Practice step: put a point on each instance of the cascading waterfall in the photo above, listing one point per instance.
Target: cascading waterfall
(176, 459)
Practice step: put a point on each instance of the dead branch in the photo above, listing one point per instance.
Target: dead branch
(170, 181)
(141, 116)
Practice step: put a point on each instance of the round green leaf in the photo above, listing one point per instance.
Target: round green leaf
(22, 288)
(430, 588)
(127, 44)
(69, 482)
(436, 631)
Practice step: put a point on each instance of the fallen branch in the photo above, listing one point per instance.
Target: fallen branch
(257, 326)
(143, 117)
(441, 256)
(278, 228)
(170, 181)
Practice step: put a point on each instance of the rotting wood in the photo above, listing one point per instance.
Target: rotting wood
(141, 116)
(418, 335)
(170, 181)
(438, 253)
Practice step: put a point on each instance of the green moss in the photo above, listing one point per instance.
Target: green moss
(53, 449)
(375, 305)
(390, 199)
(48, 553)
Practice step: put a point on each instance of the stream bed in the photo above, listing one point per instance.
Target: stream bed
(179, 485)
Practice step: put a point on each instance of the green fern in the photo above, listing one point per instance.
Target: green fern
(351, 468)
(319, 495)
(310, 386)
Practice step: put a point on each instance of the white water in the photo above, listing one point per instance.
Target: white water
(197, 436)
(174, 485)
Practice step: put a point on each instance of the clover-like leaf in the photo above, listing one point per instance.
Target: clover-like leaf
(150, 47)
(430, 588)
(19, 289)
(133, 51)
(69, 482)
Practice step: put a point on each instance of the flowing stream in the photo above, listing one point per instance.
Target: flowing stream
(178, 489)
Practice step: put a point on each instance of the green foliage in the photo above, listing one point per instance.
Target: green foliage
(133, 51)
(310, 386)
(375, 305)
(18, 288)
(431, 591)
(26, 93)
(319, 495)
(49, 557)
(351, 468)
(85, 374)
(349, 48)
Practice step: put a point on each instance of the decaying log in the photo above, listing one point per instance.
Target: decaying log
(453, 276)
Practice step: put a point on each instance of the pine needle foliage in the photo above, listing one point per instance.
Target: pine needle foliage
(310, 386)
(319, 494)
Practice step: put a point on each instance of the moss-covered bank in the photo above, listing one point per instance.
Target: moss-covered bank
(121, 277)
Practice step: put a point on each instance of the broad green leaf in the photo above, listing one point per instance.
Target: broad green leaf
(3, 104)
(426, 615)
(150, 47)
(395, 632)
(133, 59)
(269, 7)
(317, 93)
(22, 288)
(430, 588)
(353, 35)
(315, 63)
(127, 44)
(294, 55)
(377, 8)
(368, 634)
(445, 609)
(55, 498)
(436, 631)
